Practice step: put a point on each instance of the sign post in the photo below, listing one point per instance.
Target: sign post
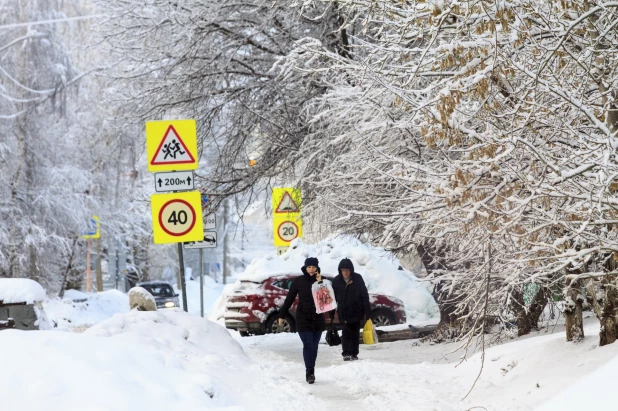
(88, 274)
(94, 232)
(202, 282)
(183, 280)
(176, 217)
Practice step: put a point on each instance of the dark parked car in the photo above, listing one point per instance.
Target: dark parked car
(164, 294)
(253, 307)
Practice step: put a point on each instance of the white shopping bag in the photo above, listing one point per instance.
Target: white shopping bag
(323, 296)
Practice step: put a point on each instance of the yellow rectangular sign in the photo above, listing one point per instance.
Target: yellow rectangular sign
(286, 229)
(171, 145)
(286, 201)
(177, 217)
(95, 229)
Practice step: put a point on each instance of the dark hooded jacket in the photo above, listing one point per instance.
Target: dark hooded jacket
(352, 297)
(306, 317)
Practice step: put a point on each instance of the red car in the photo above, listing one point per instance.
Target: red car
(253, 307)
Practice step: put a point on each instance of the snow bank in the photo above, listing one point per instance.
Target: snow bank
(379, 268)
(75, 295)
(19, 290)
(69, 315)
(535, 369)
(597, 388)
(141, 360)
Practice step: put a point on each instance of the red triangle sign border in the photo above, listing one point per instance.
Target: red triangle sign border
(287, 194)
(170, 128)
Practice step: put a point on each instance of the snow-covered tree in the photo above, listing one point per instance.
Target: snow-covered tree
(464, 127)
(61, 161)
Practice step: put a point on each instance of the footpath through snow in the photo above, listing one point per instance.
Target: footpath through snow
(404, 375)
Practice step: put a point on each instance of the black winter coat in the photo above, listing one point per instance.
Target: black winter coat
(352, 298)
(306, 317)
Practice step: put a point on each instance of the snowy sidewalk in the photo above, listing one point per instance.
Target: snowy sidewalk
(522, 374)
(371, 383)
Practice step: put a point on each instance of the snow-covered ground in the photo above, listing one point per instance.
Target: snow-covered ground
(77, 311)
(172, 360)
(165, 360)
(521, 375)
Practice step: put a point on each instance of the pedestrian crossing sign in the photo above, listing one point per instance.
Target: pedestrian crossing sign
(171, 145)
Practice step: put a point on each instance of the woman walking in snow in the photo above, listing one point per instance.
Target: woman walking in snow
(309, 324)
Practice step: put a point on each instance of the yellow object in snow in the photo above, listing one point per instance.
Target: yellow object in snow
(369, 334)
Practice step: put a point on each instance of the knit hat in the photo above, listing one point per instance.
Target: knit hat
(312, 261)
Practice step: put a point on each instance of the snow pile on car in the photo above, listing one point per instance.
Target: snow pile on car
(141, 360)
(20, 290)
(78, 311)
(379, 268)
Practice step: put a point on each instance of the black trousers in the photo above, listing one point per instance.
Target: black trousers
(350, 339)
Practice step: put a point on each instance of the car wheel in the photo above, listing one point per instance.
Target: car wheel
(272, 326)
(382, 317)
(244, 333)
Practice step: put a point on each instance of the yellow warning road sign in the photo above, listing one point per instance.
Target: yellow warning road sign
(177, 217)
(171, 145)
(286, 229)
(286, 201)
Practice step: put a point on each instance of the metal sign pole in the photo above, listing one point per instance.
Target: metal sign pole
(117, 264)
(183, 282)
(88, 281)
(202, 281)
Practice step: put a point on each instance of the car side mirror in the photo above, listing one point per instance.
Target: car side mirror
(176, 295)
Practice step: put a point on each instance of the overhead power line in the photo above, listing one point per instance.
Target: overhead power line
(66, 19)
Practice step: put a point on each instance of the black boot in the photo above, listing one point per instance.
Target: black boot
(310, 375)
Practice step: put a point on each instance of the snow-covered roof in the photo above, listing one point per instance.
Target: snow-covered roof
(20, 290)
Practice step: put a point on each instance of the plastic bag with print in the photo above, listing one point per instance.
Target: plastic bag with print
(323, 296)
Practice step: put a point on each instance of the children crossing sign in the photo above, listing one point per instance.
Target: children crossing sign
(171, 145)
(177, 217)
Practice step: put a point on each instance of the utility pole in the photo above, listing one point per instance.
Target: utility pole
(99, 274)
(88, 280)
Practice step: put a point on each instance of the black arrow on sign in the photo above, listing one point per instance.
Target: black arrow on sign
(160, 182)
(189, 180)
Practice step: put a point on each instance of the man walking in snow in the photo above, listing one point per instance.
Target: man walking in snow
(352, 307)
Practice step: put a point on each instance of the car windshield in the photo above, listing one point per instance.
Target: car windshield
(162, 290)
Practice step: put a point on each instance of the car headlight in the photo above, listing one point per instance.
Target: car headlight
(169, 304)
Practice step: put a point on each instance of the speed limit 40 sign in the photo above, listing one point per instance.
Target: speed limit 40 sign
(177, 217)
(286, 230)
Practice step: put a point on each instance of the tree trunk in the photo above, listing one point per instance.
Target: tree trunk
(68, 269)
(573, 311)
(528, 317)
(449, 326)
(609, 314)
